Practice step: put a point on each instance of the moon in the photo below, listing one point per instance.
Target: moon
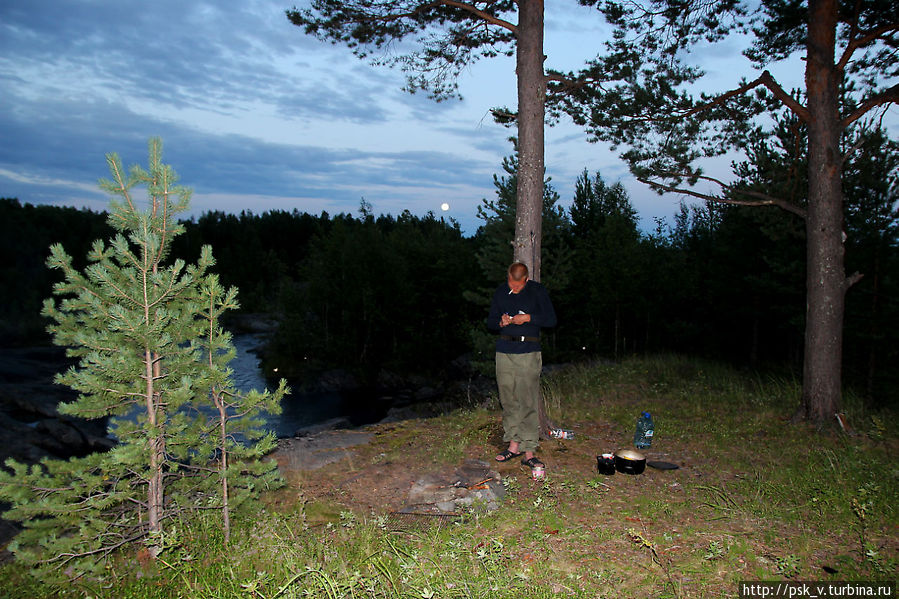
(444, 206)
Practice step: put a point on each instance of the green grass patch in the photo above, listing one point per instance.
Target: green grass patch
(756, 498)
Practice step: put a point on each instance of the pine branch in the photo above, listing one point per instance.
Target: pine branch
(766, 80)
(120, 179)
(168, 289)
(762, 198)
(165, 215)
(887, 96)
(866, 38)
(105, 278)
(106, 550)
(470, 8)
(567, 84)
(853, 279)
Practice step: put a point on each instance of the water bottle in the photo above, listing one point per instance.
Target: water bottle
(645, 429)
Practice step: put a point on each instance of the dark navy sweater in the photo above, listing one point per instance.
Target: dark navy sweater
(533, 299)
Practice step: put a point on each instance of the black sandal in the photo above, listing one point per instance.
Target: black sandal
(532, 462)
(506, 455)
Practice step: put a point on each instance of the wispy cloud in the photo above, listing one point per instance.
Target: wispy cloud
(253, 113)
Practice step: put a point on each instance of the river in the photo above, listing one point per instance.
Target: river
(300, 410)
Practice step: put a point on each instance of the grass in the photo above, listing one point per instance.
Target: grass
(757, 498)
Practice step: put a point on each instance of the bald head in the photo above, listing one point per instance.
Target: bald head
(518, 271)
(518, 277)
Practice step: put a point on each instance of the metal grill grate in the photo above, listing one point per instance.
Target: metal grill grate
(419, 520)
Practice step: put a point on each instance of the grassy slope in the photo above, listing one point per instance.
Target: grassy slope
(756, 498)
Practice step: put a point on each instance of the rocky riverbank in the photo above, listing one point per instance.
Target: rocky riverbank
(31, 427)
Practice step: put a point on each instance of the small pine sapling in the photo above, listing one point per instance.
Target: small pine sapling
(151, 357)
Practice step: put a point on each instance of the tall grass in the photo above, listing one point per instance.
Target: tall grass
(756, 498)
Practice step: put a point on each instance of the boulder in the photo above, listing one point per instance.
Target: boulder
(327, 425)
(31, 427)
(337, 380)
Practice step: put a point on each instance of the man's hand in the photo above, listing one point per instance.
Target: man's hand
(520, 318)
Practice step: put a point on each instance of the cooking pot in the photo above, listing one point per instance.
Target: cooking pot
(605, 463)
(628, 461)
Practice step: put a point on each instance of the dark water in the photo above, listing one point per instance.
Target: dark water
(298, 410)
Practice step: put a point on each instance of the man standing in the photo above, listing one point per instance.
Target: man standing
(520, 308)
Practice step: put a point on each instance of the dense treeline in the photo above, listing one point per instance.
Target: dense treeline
(409, 293)
(27, 233)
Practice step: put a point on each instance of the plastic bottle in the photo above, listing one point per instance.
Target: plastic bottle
(644, 432)
(561, 433)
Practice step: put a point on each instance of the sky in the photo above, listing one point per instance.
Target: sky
(255, 115)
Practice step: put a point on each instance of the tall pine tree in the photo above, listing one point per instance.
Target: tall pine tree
(494, 238)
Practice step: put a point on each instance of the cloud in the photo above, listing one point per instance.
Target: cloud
(61, 156)
(253, 113)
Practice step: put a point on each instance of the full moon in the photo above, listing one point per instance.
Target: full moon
(444, 206)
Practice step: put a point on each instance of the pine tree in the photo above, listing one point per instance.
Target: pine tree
(494, 237)
(605, 250)
(233, 433)
(640, 93)
(140, 328)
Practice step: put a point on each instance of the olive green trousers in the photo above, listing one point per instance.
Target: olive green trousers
(518, 380)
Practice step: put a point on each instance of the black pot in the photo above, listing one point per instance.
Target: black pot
(605, 463)
(628, 461)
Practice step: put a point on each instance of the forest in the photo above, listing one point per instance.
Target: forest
(408, 294)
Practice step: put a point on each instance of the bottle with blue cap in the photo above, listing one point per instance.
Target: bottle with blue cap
(644, 432)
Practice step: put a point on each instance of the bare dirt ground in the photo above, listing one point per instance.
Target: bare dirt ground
(372, 470)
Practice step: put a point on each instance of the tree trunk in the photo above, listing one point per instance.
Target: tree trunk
(531, 117)
(155, 484)
(531, 113)
(223, 463)
(825, 278)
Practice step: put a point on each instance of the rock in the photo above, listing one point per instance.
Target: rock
(32, 401)
(315, 451)
(63, 433)
(389, 380)
(31, 427)
(426, 393)
(327, 425)
(473, 472)
(463, 501)
(337, 380)
(8, 530)
(72, 437)
(252, 323)
(432, 489)
(19, 442)
(473, 483)
(461, 367)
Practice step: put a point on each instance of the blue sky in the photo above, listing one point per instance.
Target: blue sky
(255, 115)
